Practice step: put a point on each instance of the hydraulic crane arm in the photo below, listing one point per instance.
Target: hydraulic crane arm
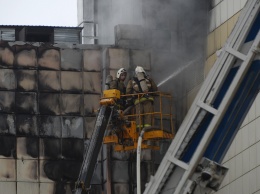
(215, 115)
(91, 154)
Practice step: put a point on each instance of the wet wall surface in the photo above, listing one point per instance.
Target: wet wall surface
(48, 101)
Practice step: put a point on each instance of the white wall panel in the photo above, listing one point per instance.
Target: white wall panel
(251, 133)
(257, 132)
(239, 163)
(232, 149)
(245, 142)
(230, 8)
(258, 153)
(257, 104)
(251, 112)
(218, 16)
(224, 11)
(246, 161)
(236, 6)
(252, 157)
(239, 186)
(253, 183)
(238, 140)
(212, 24)
(258, 177)
(246, 183)
(232, 170)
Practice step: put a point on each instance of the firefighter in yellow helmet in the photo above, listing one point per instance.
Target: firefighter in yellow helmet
(141, 83)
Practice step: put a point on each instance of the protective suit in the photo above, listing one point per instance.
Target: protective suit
(141, 83)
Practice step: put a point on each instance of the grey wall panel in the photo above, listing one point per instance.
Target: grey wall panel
(71, 104)
(120, 155)
(26, 125)
(92, 82)
(91, 104)
(92, 60)
(89, 126)
(71, 81)
(8, 187)
(71, 59)
(118, 58)
(27, 147)
(72, 127)
(49, 104)
(7, 79)
(120, 171)
(7, 124)
(26, 102)
(97, 176)
(27, 170)
(7, 101)
(27, 188)
(120, 188)
(49, 59)
(50, 148)
(49, 126)
(49, 81)
(7, 171)
(26, 80)
(26, 57)
(6, 56)
(47, 188)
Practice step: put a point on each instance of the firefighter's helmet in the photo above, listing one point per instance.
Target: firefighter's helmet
(120, 71)
(139, 69)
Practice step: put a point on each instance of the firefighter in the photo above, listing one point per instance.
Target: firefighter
(119, 82)
(141, 83)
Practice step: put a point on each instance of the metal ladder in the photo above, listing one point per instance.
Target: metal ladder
(173, 170)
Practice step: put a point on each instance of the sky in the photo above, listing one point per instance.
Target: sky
(39, 12)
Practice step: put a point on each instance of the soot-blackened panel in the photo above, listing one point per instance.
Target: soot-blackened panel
(7, 79)
(26, 80)
(91, 104)
(71, 104)
(6, 55)
(7, 103)
(72, 148)
(92, 82)
(96, 189)
(49, 58)
(49, 126)
(50, 148)
(71, 81)
(71, 59)
(72, 127)
(27, 147)
(26, 125)
(49, 81)
(49, 104)
(8, 146)
(7, 124)
(26, 102)
(59, 170)
(26, 56)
